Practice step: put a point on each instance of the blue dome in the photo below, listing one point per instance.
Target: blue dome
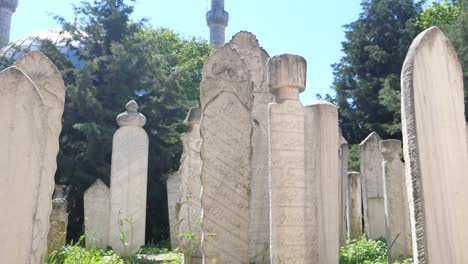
(31, 42)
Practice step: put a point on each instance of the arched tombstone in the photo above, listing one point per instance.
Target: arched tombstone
(435, 149)
(96, 211)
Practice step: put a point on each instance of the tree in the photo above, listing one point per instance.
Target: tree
(123, 60)
(367, 78)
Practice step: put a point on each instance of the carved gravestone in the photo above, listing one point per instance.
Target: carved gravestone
(256, 59)
(396, 202)
(58, 220)
(96, 212)
(173, 204)
(129, 176)
(287, 75)
(226, 104)
(435, 149)
(372, 187)
(189, 215)
(323, 183)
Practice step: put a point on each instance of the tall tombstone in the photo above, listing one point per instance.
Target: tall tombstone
(343, 154)
(355, 206)
(226, 104)
(372, 187)
(129, 176)
(58, 220)
(256, 59)
(23, 112)
(173, 205)
(396, 202)
(96, 213)
(287, 76)
(323, 182)
(435, 149)
(49, 82)
(189, 215)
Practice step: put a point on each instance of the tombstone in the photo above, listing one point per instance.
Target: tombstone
(173, 205)
(57, 236)
(256, 59)
(372, 187)
(343, 154)
(287, 76)
(396, 202)
(129, 176)
(23, 112)
(49, 82)
(96, 212)
(323, 181)
(226, 104)
(189, 212)
(435, 149)
(355, 207)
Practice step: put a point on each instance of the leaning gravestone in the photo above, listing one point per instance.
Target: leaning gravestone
(189, 213)
(96, 212)
(50, 84)
(23, 139)
(226, 103)
(256, 60)
(129, 176)
(58, 220)
(435, 149)
(287, 76)
(372, 187)
(396, 202)
(173, 204)
(323, 183)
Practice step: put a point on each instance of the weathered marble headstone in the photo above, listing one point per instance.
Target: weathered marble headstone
(226, 103)
(256, 59)
(96, 212)
(49, 82)
(372, 187)
(22, 139)
(189, 215)
(323, 183)
(129, 176)
(57, 236)
(435, 149)
(396, 202)
(343, 159)
(355, 206)
(173, 203)
(287, 76)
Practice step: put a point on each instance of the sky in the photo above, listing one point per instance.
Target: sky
(310, 28)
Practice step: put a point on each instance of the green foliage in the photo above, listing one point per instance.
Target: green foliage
(366, 79)
(353, 160)
(441, 14)
(364, 251)
(76, 254)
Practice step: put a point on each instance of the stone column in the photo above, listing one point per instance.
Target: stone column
(129, 176)
(287, 75)
(372, 187)
(396, 202)
(58, 220)
(96, 211)
(355, 206)
(7, 8)
(323, 183)
(435, 149)
(174, 194)
(343, 155)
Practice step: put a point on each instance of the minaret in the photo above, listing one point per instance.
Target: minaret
(217, 19)
(7, 8)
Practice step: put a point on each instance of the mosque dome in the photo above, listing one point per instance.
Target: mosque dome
(31, 42)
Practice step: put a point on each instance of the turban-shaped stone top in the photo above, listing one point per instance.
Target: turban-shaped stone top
(131, 117)
(287, 71)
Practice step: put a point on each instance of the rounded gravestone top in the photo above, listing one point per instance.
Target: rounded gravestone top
(131, 117)
(287, 71)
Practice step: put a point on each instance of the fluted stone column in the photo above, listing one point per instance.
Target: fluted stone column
(287, 76)
(129, 175)
(396, 202)
(323, 183)
(217, 19)
(7, 8)
(355, 206)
